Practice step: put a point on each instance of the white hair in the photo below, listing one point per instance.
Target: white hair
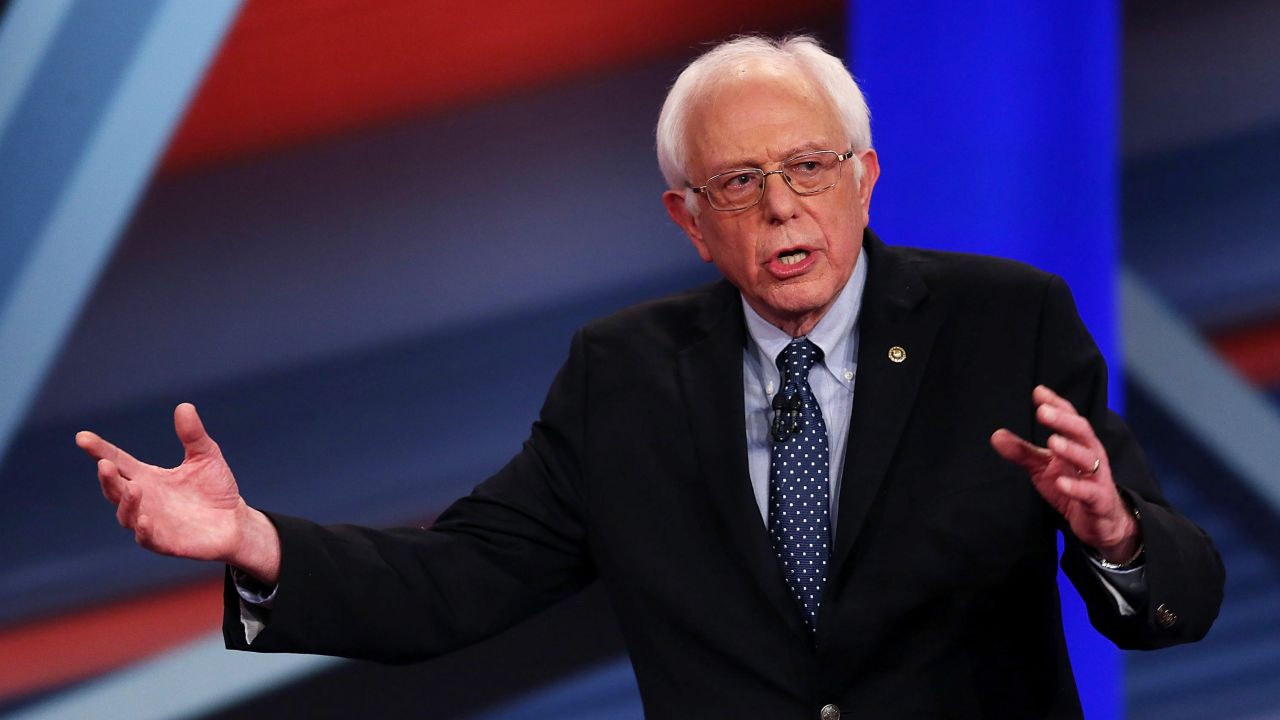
(698, 79)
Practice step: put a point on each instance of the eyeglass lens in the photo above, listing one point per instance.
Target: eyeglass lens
(807, 174)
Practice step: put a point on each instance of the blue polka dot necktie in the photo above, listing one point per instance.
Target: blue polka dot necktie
(799, 504)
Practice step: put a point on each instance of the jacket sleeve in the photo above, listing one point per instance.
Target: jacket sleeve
(1184, 571)
(515, 545)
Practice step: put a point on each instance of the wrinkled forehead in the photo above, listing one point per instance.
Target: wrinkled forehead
(759, 111)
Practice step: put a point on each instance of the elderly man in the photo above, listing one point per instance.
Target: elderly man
(788, 482)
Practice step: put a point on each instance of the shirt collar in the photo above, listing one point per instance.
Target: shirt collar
(835, 333)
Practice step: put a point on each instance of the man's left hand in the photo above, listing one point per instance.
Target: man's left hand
(1073, 475)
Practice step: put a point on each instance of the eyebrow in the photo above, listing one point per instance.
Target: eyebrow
(753, 163)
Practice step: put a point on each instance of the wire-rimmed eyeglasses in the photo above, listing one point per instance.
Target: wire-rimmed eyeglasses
(808, 173)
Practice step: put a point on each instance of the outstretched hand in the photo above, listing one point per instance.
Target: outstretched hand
(1074, 476)
(191, 511)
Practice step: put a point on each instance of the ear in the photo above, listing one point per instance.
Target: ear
(870, 173)
(678, 209)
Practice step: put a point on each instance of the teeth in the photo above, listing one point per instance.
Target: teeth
(793, 258)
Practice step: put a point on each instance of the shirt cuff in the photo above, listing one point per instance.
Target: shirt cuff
(1127, 586)
(256, 601)
(253, 592)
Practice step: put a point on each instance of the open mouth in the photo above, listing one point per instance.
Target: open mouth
(791, 257)
(792, 262)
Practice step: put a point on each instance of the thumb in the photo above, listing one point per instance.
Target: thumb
(1018, 451)
(191, 431)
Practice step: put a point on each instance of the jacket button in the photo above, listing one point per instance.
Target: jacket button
(829, 712)
(1166, 617)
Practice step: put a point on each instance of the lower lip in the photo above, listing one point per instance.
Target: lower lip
(782, 271)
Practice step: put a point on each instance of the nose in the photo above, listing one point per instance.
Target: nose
(779, 202)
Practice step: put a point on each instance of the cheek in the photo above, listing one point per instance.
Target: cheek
(740, 267)
(733, 252)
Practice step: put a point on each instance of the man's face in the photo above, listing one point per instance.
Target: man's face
(789, 255)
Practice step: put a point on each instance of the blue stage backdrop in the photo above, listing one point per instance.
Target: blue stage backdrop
(996, 128)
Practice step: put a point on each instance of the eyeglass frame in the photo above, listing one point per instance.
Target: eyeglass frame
(764, 176)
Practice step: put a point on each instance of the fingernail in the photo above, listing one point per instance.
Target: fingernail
(1048, 412)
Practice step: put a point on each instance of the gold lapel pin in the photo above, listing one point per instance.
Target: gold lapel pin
(897, 354)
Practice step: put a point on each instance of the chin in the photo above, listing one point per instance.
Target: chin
(801, 300)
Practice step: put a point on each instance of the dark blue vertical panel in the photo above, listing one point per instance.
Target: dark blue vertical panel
(995, 122)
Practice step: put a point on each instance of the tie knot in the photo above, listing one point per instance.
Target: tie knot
(797, 358)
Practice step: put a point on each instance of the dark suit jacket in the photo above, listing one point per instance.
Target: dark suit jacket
(941, 601)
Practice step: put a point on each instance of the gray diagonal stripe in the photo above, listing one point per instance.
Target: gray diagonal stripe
(1179, 370)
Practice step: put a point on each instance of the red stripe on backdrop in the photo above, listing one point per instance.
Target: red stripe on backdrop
(291, 71)
(1253, 351)
(46, 654)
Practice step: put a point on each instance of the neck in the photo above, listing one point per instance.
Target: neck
(801, 328)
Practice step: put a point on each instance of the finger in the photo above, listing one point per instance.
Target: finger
(1094, 496)
(142, 531)
(1068, 423)
(186, 421)
(111, 481)
(1018, 451)
(1043, 394)
(100, 449)
(1078, 456)
(130, 502)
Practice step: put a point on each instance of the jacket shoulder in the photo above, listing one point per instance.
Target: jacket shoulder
(945, 269)
(669, 322)
(978, 285)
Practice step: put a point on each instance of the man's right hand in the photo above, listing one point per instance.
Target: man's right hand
(191, 511)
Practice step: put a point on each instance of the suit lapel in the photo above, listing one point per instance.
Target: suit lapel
(711, 380)
(894, 315)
